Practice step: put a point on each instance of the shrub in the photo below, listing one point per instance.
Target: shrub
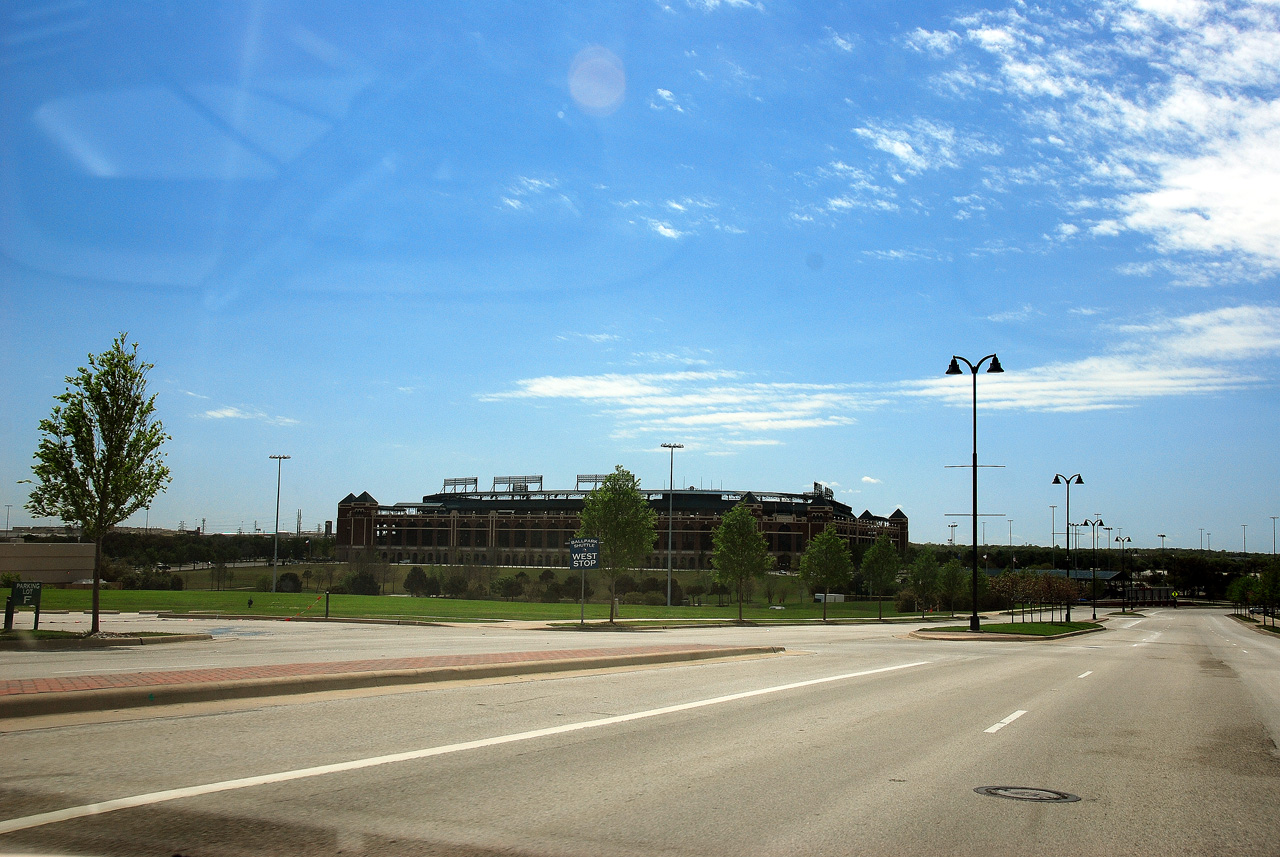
(360, 583)
(8, 579)
(415, 582)
(632, 598)
(288, 582)
(654, 599)
(906, 600)
(624, 584)
(176, 583)
(455, 585)
(263, 584)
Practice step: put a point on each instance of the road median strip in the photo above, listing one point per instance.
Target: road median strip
(27, 698)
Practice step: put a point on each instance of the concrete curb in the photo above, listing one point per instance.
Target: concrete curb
(996, 638)
(352, 620)
(98, 642)
(32, 704)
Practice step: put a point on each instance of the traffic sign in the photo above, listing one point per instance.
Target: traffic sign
(585, 553)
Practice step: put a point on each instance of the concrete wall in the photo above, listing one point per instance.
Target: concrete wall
(54, 564)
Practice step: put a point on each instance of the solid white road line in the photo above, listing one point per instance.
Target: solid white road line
(1003, 723)
(1085, 674)
(74, 812)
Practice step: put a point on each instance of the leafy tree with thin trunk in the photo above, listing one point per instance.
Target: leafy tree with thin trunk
(99, 458)
(739, 551)
(616, 513)
(923, 576)
(826, 564)
(880, 566)
(951, 582)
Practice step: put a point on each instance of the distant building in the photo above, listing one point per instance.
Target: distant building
(516, 523)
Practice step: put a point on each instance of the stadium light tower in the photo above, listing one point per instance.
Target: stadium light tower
(954, 369)
(671, 502)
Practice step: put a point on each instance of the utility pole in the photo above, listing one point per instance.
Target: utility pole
(275, 548)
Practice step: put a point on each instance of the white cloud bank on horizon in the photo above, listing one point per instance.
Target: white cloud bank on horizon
(1191, 355)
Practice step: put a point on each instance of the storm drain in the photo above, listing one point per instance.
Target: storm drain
(1024, 793)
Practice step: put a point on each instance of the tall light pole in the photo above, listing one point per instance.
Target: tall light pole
(1202, 538)
(1123, 540)
(7, 507)
(275, 547)
(1244, 538)
(954, 369)
(1059, 479)
(671, 501)
(1161, 536)
(1093, 593)
(953, 535)
(1053, 535)
(1273, 534)
(1011, 532)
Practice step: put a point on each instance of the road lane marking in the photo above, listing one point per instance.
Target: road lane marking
(1085, 674)
(70, 813)
(1003, 723)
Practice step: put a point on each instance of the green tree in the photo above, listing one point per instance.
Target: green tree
(617, 514)
(923, 577)
(739, 551)
(825, 564)
(415, 582)
(951, 582)
(880, 566)
(99, 458)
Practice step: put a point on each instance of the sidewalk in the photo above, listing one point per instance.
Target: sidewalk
(58, 695)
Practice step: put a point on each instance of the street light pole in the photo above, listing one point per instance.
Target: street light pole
(1058, 479)
(954, 369)
(671, 500)
(275, 547)
(1273, 534)
(1093, 593)
(1123, 540)
(1244, 538)
(1053, 535)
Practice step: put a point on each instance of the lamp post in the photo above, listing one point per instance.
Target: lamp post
(671, 500)
(954, 369)
(1273, 534)
(1053, 535)
(275, 547)
(1123, 540)
(1093, 592)
(1059, 479)
(953, 536)
(7, 507)
(1244, 538)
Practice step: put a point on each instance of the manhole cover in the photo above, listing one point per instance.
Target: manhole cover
(1024, 793)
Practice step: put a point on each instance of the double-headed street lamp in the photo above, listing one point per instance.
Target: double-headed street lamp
(671, 501)
(1093, 526)
(1059, 479)
(275, 548)
(954, 369)
(1123, 540)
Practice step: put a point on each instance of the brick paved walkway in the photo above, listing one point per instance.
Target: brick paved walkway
(195, 676)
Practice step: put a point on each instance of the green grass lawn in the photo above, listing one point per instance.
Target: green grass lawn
(1036, 629)
(444, 609)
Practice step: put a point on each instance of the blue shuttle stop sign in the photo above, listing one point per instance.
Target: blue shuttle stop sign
(584, 554)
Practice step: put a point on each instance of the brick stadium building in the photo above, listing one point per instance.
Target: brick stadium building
(516, 523)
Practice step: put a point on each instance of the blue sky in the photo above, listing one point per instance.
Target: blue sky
(406, 243)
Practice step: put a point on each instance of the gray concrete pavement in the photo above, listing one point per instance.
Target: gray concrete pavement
(1158, 725)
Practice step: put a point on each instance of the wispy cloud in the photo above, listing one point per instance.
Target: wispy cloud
(1195, 354)
(924, 144)
(714, 404)
(870, 480)
(1184, 146)
(665, 99)
(234, 413)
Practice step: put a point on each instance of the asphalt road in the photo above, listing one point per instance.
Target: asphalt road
(867, 743)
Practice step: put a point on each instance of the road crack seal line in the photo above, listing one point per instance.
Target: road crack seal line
(14, 825)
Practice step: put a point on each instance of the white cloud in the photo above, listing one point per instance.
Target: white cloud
(870, 480)
(1169, 106)
(924, 144)
(841, 42)
(713, 5)
(234, 413)
(715, 404)
(665, 99)
(1198, 354)
(933, 41)
(663, 228)
(1026, 312)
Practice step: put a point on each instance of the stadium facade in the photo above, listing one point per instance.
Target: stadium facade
(517, 523)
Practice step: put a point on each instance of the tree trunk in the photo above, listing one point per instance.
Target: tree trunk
(97, 581)
(612, 598)
(880, 607)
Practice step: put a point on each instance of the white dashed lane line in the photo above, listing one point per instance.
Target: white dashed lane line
(1085, 674)
(1003, 723)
